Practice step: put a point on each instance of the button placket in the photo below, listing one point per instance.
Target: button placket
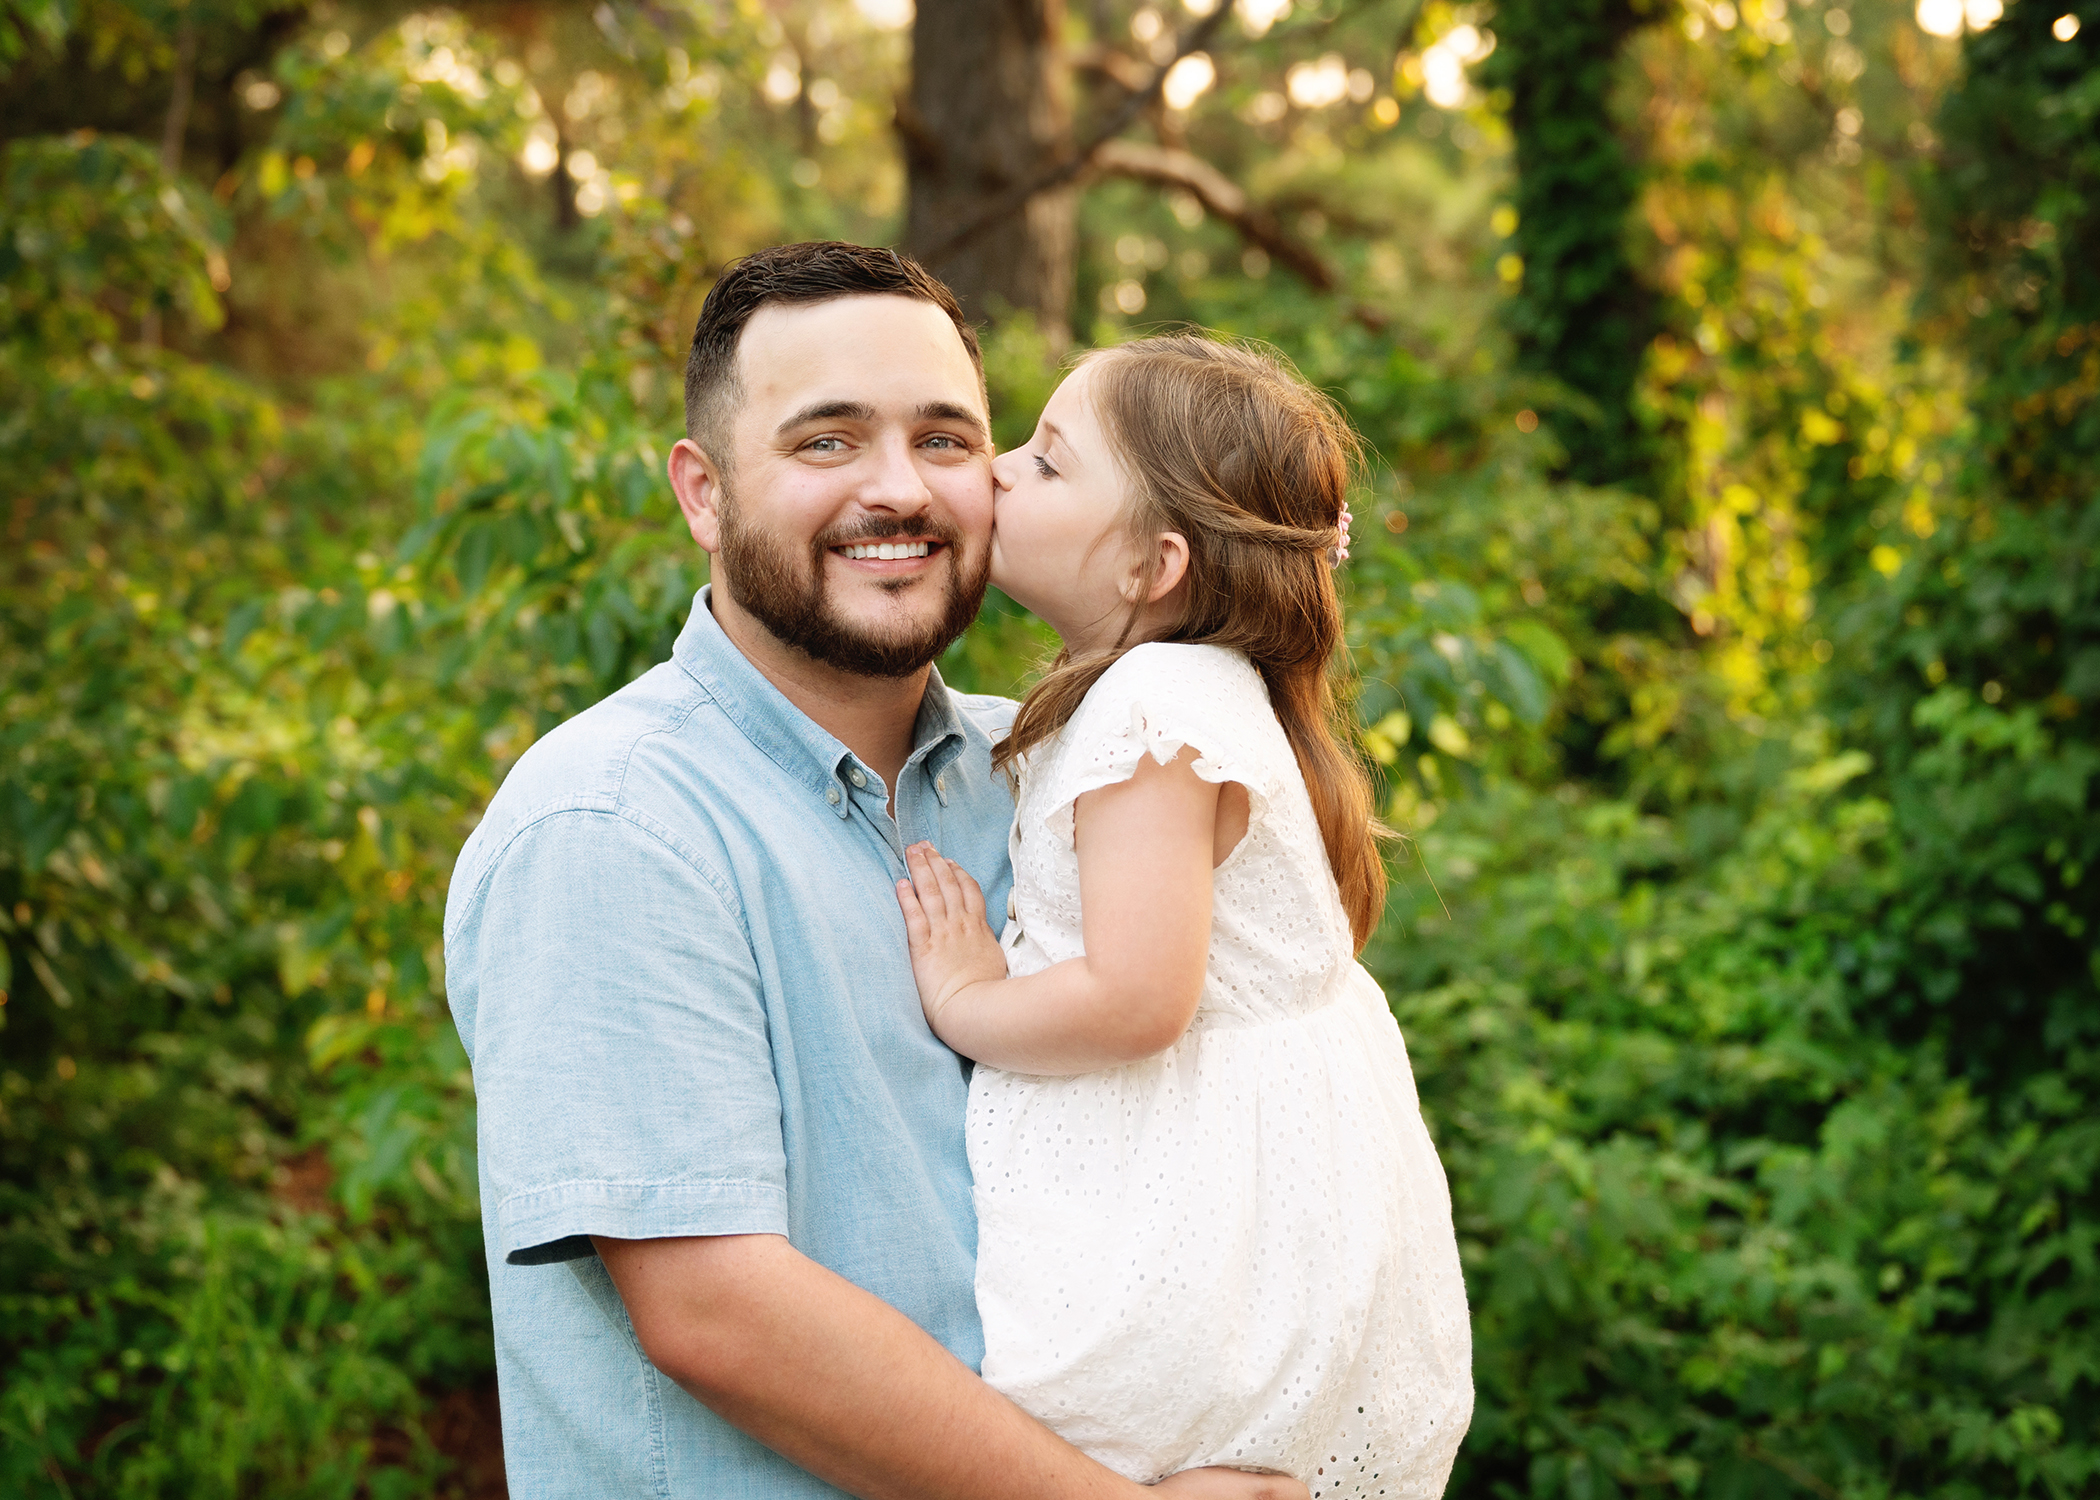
(940, 765)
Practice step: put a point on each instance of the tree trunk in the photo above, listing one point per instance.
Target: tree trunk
(1580, 314)
(986, 113)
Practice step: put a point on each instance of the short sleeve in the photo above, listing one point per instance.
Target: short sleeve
(622, 1069)
(1159, 699)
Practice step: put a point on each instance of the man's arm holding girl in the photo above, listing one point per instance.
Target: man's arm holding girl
(840, 1382)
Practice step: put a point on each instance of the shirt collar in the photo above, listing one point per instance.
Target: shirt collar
(789, 737)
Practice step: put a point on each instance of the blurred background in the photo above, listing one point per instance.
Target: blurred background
(1725, 607)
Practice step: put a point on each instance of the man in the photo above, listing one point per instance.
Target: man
(724, 1188)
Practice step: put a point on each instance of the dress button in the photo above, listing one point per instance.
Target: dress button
(856, 777)
(831, 795)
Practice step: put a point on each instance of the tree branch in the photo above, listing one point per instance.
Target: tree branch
(172, 131)
(1065, 168)
(1170, 167)
(921, 145)
(177, 123)
(1119, 67)
(1222, 196)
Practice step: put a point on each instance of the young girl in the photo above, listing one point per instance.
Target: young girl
(1211, 1227)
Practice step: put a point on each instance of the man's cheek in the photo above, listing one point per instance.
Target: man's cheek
(972, 503)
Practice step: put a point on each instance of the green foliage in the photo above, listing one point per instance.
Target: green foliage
(227, 796)
(2020, 205)
(99, 236)
(1980, 659)
(1727, 1230)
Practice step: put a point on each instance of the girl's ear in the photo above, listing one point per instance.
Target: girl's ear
(1173, 560)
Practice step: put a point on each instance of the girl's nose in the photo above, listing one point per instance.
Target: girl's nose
(1004, 470)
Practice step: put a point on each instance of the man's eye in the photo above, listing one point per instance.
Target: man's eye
(945, 440)
(1042, 466)
(826, 445)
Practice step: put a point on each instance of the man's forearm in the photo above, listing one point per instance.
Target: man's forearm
(836, 1379)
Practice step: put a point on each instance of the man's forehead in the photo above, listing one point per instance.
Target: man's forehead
(883, 349)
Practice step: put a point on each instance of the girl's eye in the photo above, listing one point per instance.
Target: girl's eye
(1042, 466)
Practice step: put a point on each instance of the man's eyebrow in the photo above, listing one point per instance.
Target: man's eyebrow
(829, 411)
(948, 411)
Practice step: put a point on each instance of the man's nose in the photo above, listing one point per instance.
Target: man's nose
(894, 483)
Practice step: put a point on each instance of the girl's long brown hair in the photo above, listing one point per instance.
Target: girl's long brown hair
(1227, 446)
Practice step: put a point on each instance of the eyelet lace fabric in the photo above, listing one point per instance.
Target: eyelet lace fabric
(1239, 1251)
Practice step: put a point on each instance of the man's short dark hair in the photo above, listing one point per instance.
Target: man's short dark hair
(815, 271)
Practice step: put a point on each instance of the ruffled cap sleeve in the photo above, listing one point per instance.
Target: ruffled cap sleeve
(1157, 700)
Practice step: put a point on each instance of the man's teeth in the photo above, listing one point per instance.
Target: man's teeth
(889, 550)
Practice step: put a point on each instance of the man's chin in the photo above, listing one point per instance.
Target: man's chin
(884, 608)
(883, 647)
(884, 637)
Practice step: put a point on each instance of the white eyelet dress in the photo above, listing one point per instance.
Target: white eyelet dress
(1239, 1251)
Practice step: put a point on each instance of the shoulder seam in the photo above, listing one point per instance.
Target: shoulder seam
(641, 822)
(701, 696)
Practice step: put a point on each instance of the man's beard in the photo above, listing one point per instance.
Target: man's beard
(792, 603)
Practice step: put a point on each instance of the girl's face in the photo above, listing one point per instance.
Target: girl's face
(1060, 545)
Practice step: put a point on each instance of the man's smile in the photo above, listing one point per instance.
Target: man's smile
(895, 558)
(887, 551)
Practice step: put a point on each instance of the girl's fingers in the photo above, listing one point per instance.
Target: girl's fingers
(944, 872)
(917, 930)
(944, 889)
(926, 881)
(972, 892)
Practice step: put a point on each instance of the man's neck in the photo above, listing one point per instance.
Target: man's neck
(873, 716)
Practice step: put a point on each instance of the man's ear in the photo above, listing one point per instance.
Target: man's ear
(1173, 560)
(698, 485)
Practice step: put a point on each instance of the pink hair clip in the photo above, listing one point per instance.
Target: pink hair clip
(1339, 552)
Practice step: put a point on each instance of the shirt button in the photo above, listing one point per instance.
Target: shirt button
(831, 795)
(856, 777)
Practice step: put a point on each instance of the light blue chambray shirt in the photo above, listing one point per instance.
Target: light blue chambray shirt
(676, 960)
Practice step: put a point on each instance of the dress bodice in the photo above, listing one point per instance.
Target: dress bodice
(1279, 935)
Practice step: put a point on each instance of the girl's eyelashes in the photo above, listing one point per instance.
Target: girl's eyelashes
(1042, 466)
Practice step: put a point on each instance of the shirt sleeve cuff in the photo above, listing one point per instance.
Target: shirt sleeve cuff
(556, 1223)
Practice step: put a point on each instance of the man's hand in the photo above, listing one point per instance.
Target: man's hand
(1230, 1484)
(952, 948)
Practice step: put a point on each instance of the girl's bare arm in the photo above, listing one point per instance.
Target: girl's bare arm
(1146, 849)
